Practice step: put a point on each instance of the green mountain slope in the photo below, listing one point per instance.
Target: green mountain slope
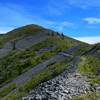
(19, 61)
(33, 55)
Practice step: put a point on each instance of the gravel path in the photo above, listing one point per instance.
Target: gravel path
(63, 87)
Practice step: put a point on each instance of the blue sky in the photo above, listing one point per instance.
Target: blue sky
(76, 18)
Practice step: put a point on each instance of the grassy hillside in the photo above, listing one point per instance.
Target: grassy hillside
(90, 66)
(18, 62)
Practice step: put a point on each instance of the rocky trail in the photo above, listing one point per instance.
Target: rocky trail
(65, 86)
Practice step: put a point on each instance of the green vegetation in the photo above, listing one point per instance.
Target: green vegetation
(5, 91)
(45, 44)
(64, 43)
(51, 71)
(16, 64)
(98, 52)
(40, 59)
(13, 65)
(89, 96)
(86, 49)
(90, 66)
(95, 47)
(20, 61)
(83, 50)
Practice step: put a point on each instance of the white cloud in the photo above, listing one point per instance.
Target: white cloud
(90, 40)
(92, 20)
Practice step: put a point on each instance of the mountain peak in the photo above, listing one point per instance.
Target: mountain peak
(33, 25)
(26, 30)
